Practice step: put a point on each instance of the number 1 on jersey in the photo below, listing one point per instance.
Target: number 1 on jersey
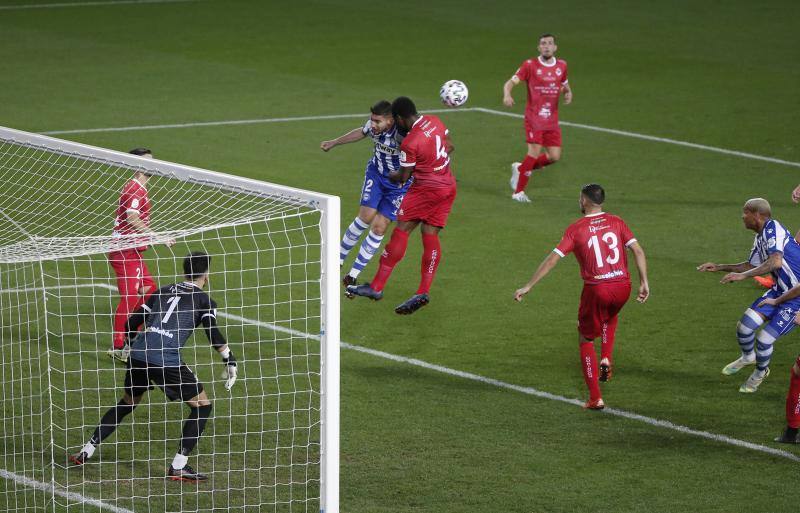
(173, 303)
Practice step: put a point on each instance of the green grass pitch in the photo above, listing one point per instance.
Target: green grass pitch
(416, 440)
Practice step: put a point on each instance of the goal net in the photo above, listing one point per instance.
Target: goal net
(271, 443)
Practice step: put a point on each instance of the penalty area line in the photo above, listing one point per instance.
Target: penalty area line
(665, 424)
(45, 487)
(89, 4)
(518, 388)
(653, 138)
(233, 122)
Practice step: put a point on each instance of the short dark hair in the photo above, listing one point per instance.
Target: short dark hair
(403, 107)
(594, 193)
(547, 34)
(140, 151)
(382, 108)
(196, 264)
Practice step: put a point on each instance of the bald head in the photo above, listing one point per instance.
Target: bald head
(758, 206)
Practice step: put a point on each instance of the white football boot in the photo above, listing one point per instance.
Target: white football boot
(737, 365)
(752, 383)
(521, 197)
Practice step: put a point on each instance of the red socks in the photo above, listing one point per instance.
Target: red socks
(607, 345)
(431, 256)
(589, 368)
(527, 166)
(392, 253)
(793, 400)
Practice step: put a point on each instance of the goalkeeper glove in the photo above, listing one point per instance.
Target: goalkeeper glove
(231, 371)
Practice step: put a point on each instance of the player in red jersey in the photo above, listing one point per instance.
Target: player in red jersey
(546, 77)
(425, 154)
(134, 282)
(597, 240)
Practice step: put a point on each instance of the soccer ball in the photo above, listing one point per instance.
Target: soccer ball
(454, 93)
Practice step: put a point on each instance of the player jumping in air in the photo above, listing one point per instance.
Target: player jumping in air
(598, 241)
(380, 196)
(169, 316)
(774, 251)
(134, 282)
(425, 155)
(546, 77)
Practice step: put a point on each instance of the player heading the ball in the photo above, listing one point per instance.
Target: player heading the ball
(598, 241)
(425, 155)
(380, 195)
(169, 316)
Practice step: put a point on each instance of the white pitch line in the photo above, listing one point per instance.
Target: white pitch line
(498, 383)
(665, 140)
(232, 122)
(87, 4)
(256, 121)
(38, 485)
(517, 388)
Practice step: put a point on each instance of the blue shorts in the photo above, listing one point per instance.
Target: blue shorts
(381, 193)
(781, 317)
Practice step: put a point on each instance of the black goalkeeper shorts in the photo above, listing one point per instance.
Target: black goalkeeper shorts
(176, 382)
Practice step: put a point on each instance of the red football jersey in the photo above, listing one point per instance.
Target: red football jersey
(132, 199)
(599, 242)
(424, 149)
(544, 86)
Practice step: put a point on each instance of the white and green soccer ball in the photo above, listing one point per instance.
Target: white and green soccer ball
(454, 93)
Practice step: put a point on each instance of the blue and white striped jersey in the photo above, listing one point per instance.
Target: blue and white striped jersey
(774, 238)
(387, 148)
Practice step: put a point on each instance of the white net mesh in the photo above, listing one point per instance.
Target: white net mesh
(261, 447)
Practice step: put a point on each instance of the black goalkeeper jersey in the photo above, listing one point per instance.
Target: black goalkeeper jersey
(170, 317)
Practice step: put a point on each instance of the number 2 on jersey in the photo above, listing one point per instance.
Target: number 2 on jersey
(173, 303)
(611, 241)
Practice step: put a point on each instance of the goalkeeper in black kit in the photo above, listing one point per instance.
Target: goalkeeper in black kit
(170, 316)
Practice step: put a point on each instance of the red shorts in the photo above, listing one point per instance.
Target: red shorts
(426, 204)
(132, 273)
(599, 304)
(546, 138)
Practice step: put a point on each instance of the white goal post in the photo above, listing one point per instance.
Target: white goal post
(272, 442)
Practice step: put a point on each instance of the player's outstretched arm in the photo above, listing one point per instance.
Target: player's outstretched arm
(545, 267)
(774, 262)
(730, 268)
(641, 265)
(508, 100)
(353, 135)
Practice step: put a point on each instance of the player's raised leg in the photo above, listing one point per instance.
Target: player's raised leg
(353, 232)
(391, 196)
(607, 349)
(394, 252)
(431, 258)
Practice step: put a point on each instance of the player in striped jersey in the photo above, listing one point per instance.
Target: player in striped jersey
(774, 251)
(380, 196)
